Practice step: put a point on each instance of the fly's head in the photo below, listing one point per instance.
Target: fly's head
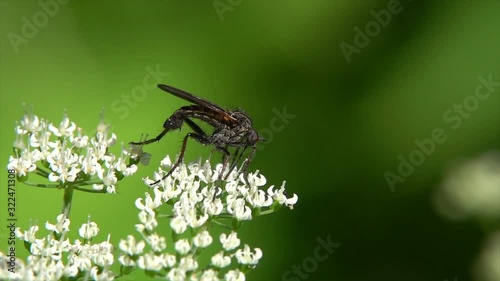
(247, 133)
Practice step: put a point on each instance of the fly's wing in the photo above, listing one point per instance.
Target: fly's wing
(199, 101)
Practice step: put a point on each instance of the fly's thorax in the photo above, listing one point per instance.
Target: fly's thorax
(174, 121)
(243, 119)
(239, 136)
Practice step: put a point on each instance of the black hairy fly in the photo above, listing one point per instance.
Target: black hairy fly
(232, 128)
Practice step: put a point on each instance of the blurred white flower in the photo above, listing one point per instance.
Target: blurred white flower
(203, 239)
(149, 204)
(80, 140)
(131, 247)
(88, 230)
(182, 246)
(102, 254)
(148, 220)
(24, 163)
(126, 260)
(61, 225)
(230, 241)
(280, 196)
(156, 242)
(150, 262)
(487, 266)
(246, 256)
(188, 263)
(30, 123)
(169, 260)
(178, 224)
(28, 235)
(239, 209)
(19, 143)
(109, 181)
(471, 188)
(166, 162)
(219, 260)
(209, 275)
(234, 275)
(136, 153)
(176, 274)
(101, 275)
(65, 129)
(213, 207)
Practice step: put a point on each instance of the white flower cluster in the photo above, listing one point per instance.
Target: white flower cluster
(197, 199)
(55, 257)
(197, 194)
(64, 155)
(184, 264)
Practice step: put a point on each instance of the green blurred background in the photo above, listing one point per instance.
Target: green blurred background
(352, 120)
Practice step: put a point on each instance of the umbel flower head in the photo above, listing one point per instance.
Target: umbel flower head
(65, 156)
(55, 257)
(193, 198)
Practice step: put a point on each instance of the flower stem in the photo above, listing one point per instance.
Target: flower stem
(37, 172)
(43, 173)
(82, 182)
(222, 225)
(166, 216)
(68, 196)
(89, 190)
(266, 212)
(41, 185)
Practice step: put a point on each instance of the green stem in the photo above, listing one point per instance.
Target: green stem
(266, 212)
(221, 224)
(37, 172)
(225, 216)
(89, 190)
(42, 185)
(42, 171)
(87, 182)
(166, 216)
(68, 196)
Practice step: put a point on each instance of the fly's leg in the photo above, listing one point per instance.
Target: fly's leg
(235, 161)
(200, 138)
(247, 161)
(172, 123)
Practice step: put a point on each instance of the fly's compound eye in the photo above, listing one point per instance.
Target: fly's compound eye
(253, 137)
